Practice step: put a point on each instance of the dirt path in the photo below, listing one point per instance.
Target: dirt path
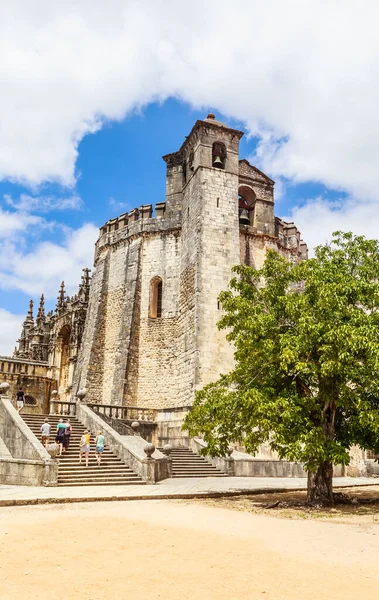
(161, 549)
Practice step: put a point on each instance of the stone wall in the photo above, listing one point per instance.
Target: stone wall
(127, 356)
(32, 376)
(89, 367)
(254, 247)
(29, 462)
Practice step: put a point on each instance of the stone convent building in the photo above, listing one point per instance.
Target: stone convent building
(142, 331)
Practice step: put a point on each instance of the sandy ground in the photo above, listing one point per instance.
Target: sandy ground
(172, 550)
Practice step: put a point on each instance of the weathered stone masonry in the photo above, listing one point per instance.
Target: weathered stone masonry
(197, 235)
(112, 338)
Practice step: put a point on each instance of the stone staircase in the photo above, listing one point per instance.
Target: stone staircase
(186, 463)
(112, 471)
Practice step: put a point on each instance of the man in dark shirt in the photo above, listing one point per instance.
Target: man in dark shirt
(20, 399)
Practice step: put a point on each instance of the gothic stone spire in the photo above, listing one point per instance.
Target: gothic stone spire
(41, 312)
(84, 285)
(62, 296)
(29, 320)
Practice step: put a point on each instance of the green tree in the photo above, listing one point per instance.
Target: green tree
(306, 374)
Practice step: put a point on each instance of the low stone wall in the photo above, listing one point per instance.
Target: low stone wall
(16, 471)
(372, 467)
(169, 428)
(248, 466)
(130, 448)
(28, 462)
(240, 464)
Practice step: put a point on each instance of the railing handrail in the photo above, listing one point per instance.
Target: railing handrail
(63, 407)
(119, 411)
(123, 406)
(62, 402)
(116, 424)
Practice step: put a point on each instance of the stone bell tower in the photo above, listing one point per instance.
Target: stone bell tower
(207, 171)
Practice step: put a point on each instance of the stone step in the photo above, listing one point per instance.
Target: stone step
(53, 425)
(186, 463)
(200, 468)
(85, 475)
(96, 476)
(194, 468)
(99, 477)
(113, 471)
(76, 428)
(102, 483)
(92, 460)
(192, 460)
(192, 475)
(75, 451)
(36, 422)
(53, 432)
(95, 469)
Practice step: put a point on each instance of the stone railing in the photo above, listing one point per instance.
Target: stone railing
(125, 413)
(116, 424)
(142, 457)
(65, 409)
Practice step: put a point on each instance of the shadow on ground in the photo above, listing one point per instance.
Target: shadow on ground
(351, 503)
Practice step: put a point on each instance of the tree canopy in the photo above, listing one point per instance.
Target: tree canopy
(306, 373)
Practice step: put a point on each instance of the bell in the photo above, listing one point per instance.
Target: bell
(244, 217)
(218, 161)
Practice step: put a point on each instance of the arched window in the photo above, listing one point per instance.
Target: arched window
(155, 298)
(218, 155)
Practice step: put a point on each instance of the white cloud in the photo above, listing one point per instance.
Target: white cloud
(115, 204)
(42, 269)
(302, 75)
(16, 223)
(10, 327)
(319, 217)
(44, 204)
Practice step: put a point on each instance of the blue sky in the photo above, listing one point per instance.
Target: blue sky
(92, 96)
(121, 167)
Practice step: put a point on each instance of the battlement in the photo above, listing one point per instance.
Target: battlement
(144, 212)
(138, 222)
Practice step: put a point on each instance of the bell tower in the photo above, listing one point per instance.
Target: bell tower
(207, 175)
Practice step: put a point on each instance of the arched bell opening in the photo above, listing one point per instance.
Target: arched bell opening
(246, 205)
(218, 155)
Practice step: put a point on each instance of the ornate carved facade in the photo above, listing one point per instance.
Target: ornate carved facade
(55, 338)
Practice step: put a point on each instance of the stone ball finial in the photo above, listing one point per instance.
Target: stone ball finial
(4, 388)
(149, 450)
(53, 450)
(82, 394)
(135, 426)
(54, 393)
(229, 451)
(167, 449)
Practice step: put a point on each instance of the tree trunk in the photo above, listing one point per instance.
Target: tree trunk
(320, 485)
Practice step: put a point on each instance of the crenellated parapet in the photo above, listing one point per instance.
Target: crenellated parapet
(137, 222)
